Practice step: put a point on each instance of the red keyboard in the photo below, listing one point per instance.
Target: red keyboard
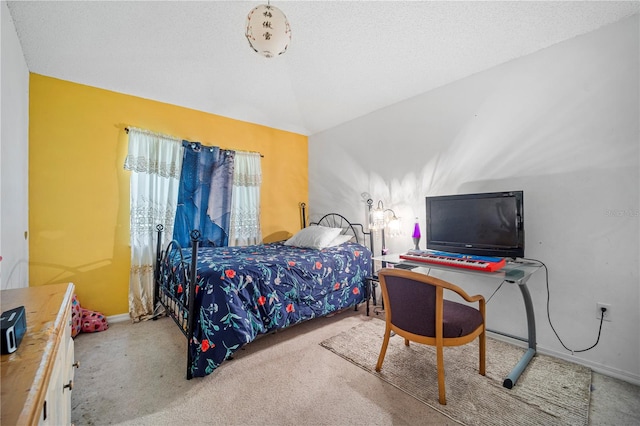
(478, 263)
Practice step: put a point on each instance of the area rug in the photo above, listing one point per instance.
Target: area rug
(549, 392)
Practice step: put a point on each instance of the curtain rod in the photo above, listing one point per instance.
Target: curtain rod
(126, 129)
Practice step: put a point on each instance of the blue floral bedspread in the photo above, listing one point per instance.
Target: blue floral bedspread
(242, 292)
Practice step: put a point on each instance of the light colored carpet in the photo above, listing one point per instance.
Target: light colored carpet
(550, 391)
(134, 375)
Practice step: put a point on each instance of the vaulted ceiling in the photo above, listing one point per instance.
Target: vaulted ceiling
(346, 58)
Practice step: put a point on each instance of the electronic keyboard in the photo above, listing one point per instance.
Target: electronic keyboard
(478, 263)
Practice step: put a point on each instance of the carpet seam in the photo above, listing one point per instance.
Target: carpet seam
(352, 361)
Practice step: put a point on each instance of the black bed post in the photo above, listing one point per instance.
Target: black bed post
(371, 291)
(195, 239)
(156, 270)
(303, 208)
(369, 204)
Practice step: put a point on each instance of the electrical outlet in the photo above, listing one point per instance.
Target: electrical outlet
(606, 314)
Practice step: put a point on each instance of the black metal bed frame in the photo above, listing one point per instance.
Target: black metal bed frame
(185, 276)
(166, 275)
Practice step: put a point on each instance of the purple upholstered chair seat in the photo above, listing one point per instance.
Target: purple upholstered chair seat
(459, 320)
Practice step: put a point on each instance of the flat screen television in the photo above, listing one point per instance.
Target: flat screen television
(486, 224)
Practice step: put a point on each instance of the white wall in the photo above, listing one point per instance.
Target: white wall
(14, 159)
(561, 124)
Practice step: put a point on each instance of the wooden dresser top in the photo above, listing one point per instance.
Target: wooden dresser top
(26, 372)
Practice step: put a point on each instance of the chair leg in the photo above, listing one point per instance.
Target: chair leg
(406, 342)
(482, 345)
(441, 390)
(383, 349)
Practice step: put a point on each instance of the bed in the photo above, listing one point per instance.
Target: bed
(223, 298)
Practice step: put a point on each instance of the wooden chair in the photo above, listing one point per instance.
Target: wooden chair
(416, 310)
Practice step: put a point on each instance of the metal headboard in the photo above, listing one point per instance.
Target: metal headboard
(336, 220)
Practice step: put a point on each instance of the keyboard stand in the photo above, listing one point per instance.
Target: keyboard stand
(515, 273)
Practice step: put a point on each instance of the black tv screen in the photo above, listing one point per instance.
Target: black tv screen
(486, 224)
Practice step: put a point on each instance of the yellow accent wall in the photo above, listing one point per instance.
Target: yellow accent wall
(79, 190)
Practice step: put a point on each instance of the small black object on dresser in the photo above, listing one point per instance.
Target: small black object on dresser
(14, 326)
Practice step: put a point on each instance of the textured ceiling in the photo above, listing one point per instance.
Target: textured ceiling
(346, 59)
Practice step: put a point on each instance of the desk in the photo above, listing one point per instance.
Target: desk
(515, 273)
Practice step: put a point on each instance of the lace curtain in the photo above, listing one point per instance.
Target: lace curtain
(245, 200)
(155, 162)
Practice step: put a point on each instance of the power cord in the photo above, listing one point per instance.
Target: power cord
(603, 309)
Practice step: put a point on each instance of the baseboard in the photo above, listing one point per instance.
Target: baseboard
(597, 367)
(118, 318)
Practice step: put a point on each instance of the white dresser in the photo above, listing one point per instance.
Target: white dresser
(37, 379)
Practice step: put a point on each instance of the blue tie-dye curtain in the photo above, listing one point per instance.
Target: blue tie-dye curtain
(204, 197)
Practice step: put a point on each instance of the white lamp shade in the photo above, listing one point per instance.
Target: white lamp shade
(268, 30)
(394, 227)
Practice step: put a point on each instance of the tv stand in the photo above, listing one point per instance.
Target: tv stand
(515, 272)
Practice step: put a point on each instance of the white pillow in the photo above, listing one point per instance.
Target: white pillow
(316, 237)
(342, 238)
